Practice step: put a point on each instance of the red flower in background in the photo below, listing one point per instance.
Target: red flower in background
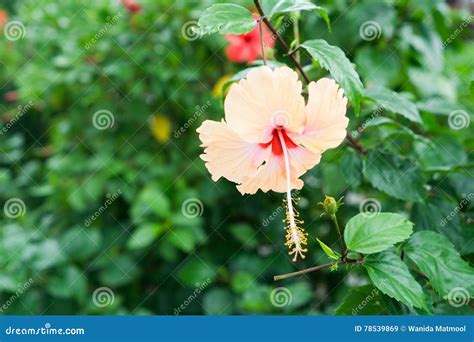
(10, 96)
(246, 47)
(3, 19)
(132, 6)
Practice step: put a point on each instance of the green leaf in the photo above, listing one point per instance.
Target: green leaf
(151, 203)
(196, 271)
(437, 106)
(386, 62)
(364, 300)
(397, 176)
(370, 234)
(218, 302)
(440, 154)
(391, 276)
(242, 281)
(329, 252)
(437, 258)
(256, 300)
(300, 293)
(324, 14)
(68, 283)
(351, 166)
(333, 59)
(272, 7)
(394, 102)
(144, 236)
(81, 243)
(226, 19)
(119, 271)
(186, 238)
(443, 215)
(245, 234)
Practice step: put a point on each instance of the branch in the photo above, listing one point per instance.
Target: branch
(354, 143)
(280, 40)
(344, 261)
(307, 270)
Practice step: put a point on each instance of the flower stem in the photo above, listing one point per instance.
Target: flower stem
(280, 40)
(296, 33)
(339, 236)
(261, 41)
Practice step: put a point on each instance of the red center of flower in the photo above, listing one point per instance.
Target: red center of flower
(277, 149)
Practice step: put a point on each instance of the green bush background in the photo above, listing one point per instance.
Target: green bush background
(142, 247)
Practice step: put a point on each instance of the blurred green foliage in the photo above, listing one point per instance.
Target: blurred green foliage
(77, 59)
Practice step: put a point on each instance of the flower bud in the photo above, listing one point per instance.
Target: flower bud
(330, 205)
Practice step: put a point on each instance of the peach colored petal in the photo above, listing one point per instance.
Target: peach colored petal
(302, 160)
(226, 154)
(326, 122)
(263, 100)
(270, 176)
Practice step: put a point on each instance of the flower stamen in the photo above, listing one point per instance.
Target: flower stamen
(296, 237)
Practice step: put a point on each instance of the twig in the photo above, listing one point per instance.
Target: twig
(307, 270)
(356, 144)
(280, 40)
(261, 41)
(345, 261)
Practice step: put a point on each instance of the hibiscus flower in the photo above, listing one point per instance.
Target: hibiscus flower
(132, 6)
(245, 48)
(270, 138)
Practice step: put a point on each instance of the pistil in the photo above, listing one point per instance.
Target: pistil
(296, 237)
